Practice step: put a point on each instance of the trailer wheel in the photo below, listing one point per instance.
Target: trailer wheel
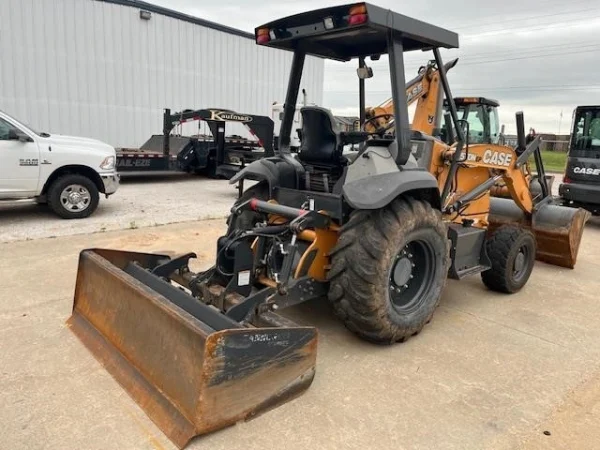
(511, 250)
(210, 170)
(73, 196)
(389, 269)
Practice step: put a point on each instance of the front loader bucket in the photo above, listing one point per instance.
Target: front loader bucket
(501, 190)
(558, 229)
(191, 368)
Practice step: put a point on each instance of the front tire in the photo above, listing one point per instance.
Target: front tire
(512, 251)
(388, 270)
(73, 196)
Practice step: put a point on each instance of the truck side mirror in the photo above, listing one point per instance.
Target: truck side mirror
(12, 135)
(15, 135)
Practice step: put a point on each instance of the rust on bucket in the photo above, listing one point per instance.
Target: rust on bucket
(191, 374)
(558, 229)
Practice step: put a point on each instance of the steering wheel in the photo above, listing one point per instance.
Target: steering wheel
(378, 131)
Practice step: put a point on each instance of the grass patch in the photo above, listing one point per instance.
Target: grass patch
(553, 161)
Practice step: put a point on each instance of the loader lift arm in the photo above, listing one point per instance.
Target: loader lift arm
(425, 89)
(481, 114)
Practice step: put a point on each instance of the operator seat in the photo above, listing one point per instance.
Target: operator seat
(321, 150)
(321, 142)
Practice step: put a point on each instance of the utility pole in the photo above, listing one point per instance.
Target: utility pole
(560, 121)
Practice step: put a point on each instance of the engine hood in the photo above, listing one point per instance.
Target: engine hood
(85, 145)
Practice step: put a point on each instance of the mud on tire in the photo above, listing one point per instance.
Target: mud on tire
(371, 262)
(511, 250)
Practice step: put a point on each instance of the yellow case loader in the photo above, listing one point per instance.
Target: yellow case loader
(557, 230)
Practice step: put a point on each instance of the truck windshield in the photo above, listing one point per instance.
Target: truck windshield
(586, 132)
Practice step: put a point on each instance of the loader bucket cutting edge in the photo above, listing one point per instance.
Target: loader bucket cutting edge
(558, 229)
(190, 373)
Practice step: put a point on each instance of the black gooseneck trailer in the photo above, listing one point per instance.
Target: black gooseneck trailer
(216, 155)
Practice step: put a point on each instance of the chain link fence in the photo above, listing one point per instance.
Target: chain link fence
(548, 143)
(555, 146)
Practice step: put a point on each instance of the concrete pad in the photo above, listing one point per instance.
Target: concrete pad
(489, 372)
(574, 424)
(140, 202)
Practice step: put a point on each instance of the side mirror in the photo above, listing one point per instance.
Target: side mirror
(12, 135)
(15, 135)
(364, 73)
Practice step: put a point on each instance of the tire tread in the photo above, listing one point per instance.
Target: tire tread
(499, 246)
(59, 184)
(359, 256)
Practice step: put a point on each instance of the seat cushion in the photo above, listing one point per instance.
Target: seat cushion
(321, 142)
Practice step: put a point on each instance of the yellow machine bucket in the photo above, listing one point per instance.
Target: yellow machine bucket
(190, 367)
(558, 229)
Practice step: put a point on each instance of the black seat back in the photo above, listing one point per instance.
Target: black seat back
(321, 143)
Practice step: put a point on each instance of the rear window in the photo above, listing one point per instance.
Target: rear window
(586, 132)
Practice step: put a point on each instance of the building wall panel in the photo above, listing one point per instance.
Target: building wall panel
(94, 68)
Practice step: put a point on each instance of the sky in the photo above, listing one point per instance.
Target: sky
(541, 57)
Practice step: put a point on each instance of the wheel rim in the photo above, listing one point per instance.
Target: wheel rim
(411, 276)
(75, 198)
(520, 265)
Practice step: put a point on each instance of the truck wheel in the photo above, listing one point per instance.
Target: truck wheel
(388, 270)
(511, 250)
(73, 196)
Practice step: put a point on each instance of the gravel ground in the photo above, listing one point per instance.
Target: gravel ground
(139, 202)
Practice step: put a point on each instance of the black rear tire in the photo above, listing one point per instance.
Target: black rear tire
(511, 250)
(388, 270)
(73, 184)
(248, 219)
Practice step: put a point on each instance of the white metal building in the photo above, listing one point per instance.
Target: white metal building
(106, 68)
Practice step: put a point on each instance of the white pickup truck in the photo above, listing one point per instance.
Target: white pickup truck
(67, 173)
